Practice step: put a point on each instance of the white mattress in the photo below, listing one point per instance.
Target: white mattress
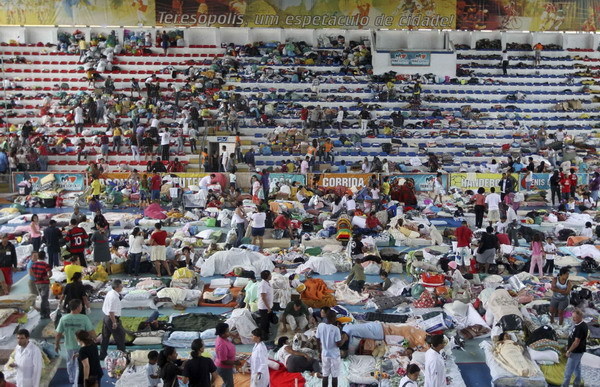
(502, 377)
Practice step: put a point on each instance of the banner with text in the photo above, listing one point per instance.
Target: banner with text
(410, 58)
(348, 180)
(288, 178)
(541, 181)
(360, 14)
(423, 181)
(473, 181)
(78, 12)
(65, 181)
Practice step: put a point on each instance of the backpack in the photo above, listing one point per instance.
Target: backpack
(589, 265)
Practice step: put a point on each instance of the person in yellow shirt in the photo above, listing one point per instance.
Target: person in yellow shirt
(117, 136)
(96, 188)
(291, 167)
(73, 268)
(385, 187)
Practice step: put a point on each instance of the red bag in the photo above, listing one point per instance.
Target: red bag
(429, 279)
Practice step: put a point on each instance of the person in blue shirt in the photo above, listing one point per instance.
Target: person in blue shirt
(342, 168)
(3, 162)
(517, 166)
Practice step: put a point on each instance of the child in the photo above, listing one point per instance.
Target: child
(385, 285)
(550, 250)
(144, 191)
(537, 255)
(412, 374)
(587, 231)
(330, 338)
(258, 361)
(152, 369)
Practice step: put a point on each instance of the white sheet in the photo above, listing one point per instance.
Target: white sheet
(501, 376)
(223, 262)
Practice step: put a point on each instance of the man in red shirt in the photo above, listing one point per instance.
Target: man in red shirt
(43, 156)
(463, 247)
(565, 186)
(573, 181)
(155, 184)
(41, 271)
(304, 117)
(158, 253)
(77, 239)
(283, 226)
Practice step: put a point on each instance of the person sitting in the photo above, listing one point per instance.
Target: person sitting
(295, 315)
(383, 286)
(283, 226)
(356, 278)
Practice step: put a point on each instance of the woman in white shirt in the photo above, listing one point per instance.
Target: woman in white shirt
(258, 227)
(238, 220)
(259, 367)
(412, 374)
(257, 191)
(136, 242)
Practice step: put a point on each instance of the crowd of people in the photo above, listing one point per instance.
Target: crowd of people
(184, 111)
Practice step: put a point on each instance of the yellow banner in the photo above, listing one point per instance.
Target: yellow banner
(78, 12)
(473, 181)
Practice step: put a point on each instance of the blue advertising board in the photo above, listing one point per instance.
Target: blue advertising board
(65, 181)
(410, 58)
(289, 178)
(423, 181)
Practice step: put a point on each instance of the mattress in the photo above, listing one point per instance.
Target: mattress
(503, 378)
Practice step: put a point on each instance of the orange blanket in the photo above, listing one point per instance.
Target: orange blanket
(317, 294)
(234, 293)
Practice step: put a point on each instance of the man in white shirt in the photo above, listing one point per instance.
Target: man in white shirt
(265, 302)
(28, 361)
(435, 370)
(155, 123)
(206, 181)
(165, 142)
(330, 338)
(492, 202)
(112, 319)
(224, 158)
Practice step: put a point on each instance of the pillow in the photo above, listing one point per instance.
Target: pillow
(543, 356)
(138, 294)
(241, 282)
(208, 334)
(147, 340)
(220, 283)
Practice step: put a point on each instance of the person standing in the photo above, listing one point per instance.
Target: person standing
(565, 187)
(486, 252)
(42, 272)
(576, 347)
(68, 327)
(158, 252)
(330, 338)
(505, 62)
(52, 237)
(258, 227)
(136, 244)
(77, 239)
(555, 187)
(8, 260)
(492, 202)
(573, 180)
(155, 185)
(224, 354)
(435, 370)
(259, 361)
(479, 199)
(75, 291)
(199, 371)
(28, 361)
(463, 245)
(265, 302)
(550, 253)
(412, 374)
(90, 369)
(594, 187)
(537, 255)
(239, 220)
(101, 248)
(35, 232)
(111, 325)
(165, 143)
(31, 279)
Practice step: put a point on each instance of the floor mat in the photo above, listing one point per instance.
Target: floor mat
(475, 374)
(234, 293)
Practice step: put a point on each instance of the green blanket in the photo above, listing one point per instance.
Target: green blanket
(130, 324)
